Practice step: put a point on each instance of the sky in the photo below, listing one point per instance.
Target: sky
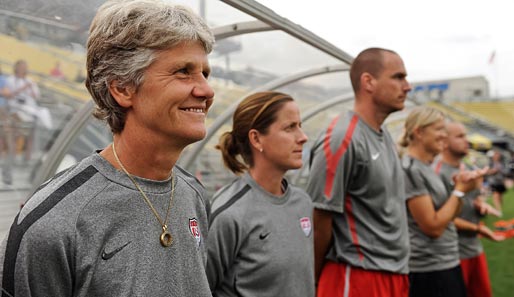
(437, 39)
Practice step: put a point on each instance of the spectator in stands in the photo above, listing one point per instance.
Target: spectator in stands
(23, 89)
(260, 237)
(356, 183)
(24, 94)
(434, 255)
(56, 72)
(496, 179)
(471, 252)
(126, 221)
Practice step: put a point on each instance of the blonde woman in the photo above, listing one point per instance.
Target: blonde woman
(434, 259)
(260, 233)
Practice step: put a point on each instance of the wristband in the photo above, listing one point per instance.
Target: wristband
(458, 194)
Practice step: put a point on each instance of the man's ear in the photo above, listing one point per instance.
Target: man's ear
(255, 139)
(368, 82)
(122, 94)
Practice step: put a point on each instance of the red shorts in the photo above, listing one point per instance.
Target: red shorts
(341, 280)
(476, 276)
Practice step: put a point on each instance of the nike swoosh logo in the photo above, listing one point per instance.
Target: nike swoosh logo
(375, 156)
(263, 236)
(107, 256)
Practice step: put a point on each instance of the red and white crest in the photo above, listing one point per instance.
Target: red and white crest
(195, 230)
(306, 225)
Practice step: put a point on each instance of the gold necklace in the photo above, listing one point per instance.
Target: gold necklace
(166, 239)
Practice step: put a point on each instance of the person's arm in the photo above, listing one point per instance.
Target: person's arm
(328, 197)
(15, 92)
(432, 222)
(39, 264)
(222, 248)
(483, 208)
(492, 170)
(34, 90)
(483, 230)
(322, 238)
(29, 85)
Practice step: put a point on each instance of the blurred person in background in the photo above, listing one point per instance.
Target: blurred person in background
(21, 87)
(23, 96)
(260, 235)
(496, 179)
(126, 221)
(356, 183)
(471, 252)
(434, 255)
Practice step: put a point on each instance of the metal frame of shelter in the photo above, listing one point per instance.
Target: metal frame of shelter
(267, 20)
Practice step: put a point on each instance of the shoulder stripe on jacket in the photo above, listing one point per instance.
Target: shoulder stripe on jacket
(333, 159)
(231, 201)
(18, 230)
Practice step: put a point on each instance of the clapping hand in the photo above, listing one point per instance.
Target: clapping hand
(467, 180)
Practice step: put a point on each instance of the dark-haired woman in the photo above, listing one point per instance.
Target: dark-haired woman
(260, 234)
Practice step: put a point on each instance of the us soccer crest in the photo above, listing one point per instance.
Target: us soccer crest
(195, 230)
(306, 225)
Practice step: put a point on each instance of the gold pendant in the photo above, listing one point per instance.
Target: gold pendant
(166, 239)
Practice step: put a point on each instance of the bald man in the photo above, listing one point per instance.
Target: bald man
(356, 183)
(471, 252)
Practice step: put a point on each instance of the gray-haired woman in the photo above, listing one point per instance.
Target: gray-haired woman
(126, 221)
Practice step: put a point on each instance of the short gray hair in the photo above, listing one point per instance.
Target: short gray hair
(124, 38)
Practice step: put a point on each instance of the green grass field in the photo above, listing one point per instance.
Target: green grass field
(500, 255)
